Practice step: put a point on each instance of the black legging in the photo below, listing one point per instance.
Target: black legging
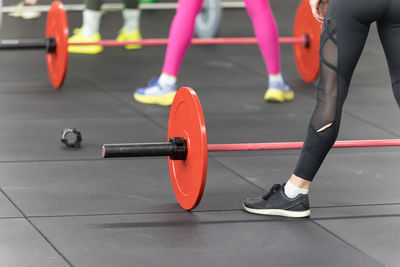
(96, 4)
(344, 33)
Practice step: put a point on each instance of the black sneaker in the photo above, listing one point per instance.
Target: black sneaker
(277, 203)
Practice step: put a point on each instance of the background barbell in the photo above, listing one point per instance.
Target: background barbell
(306, 43)
(207, 22)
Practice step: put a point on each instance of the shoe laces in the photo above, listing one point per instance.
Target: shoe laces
(273, 190)
(153, 81)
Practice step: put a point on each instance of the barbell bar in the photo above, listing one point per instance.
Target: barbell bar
(49, 44)
(112, 6)
(306, 43)
(171, 149)
(303, 40)
(187, 148)
(207, 21)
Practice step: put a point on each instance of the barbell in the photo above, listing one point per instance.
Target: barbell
(306, 43)
(207, 21)
(187, 148)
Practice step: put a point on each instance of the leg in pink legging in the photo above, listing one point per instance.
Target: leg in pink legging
(181, 32)
(162, 90)
(266, 31)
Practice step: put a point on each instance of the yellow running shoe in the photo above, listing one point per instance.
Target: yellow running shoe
(78, 37)
(278, 92)
(135, 35)
(154, 93)
(25, 14)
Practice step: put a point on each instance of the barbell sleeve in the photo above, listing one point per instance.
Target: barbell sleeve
(176, 149)
(137, 150)
(48, 44)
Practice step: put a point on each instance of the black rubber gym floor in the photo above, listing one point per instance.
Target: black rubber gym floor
(66, 207)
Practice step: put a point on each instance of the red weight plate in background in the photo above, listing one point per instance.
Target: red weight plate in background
(307, 58)
(188, 176)
(57, 28)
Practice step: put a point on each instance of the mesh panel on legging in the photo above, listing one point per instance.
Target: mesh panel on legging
(324, 124)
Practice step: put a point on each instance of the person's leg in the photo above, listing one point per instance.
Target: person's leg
(89, 32)
(342, 40)
(131, 15)
(343, 37)
(180, 35)
(131, 29)
(266, 31)
(131, 4)
(162, 90)
(390, 37)
(93, 4)
(91, 17)
(25, 14)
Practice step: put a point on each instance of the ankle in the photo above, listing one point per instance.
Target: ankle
(276, 78)
(166, 80)
(91, 22)
(300, 182)
(131, 19)
(292, 191)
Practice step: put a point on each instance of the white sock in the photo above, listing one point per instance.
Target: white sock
(131, 19)
(91, 22)
(166, 79)
(292, 191)
(276, 78)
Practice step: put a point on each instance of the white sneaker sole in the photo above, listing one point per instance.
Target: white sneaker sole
(277, 212)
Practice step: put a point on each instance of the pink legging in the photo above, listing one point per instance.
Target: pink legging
(182, 29)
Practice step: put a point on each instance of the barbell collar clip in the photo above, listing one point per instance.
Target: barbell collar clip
(51, 44)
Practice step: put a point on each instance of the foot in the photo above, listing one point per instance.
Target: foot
(155, 93)
(25, 14)
(279, 92)
(277, 203)
(129, 36)
(79, 37)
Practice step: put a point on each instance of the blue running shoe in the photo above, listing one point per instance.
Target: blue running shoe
(154, 93)
(278, 92)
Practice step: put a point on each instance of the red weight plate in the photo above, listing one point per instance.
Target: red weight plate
(307, 58)
(188, 176)
(57, 28)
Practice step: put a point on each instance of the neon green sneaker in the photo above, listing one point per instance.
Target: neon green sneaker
(78, 37)
(130, 36)
(25, 14)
